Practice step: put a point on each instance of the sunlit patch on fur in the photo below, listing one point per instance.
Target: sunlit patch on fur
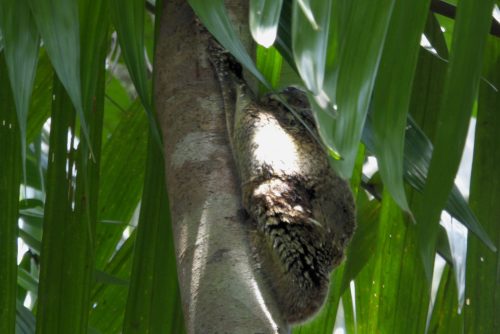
(275, 147)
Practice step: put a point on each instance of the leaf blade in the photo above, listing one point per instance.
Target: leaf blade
(58, 25)
(10, 164)
(150, 306)
(264, 18)
(311, 39)
(21, 55)
(359, 57)
(392, 92)
(456, 106)
(482, 265)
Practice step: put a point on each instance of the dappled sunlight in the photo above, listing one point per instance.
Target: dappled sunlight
(265, 35)
(457, 237)
(262, 303)
(439, 264)
(426, 44)
(275, 147)
(199, 265)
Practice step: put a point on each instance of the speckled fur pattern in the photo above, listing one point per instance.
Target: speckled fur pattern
(303, 211)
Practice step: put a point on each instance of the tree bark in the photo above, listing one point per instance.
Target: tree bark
(221, 289)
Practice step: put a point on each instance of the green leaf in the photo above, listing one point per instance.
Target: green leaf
(25, 320)
(103, 277)
(311, 38)
(57, 210)
(284, 39)
(41, 99)
(95, 24)
(10, 166)
(69, 216)
(27, 281)
(428, 85)
(153, 292)
(418, 151)
(306, 8)
(264, 18)
(471, 29)
(364, 242)
(35, 166)
(128, 19)
(21, 54)
(269, 64)
(33, 243)
(391, 96)
(120, 194)
(111, 298)
(32, 227)
(393, 279)
(25, 264)
(115, 105)
(81, 235)
(359, 55)
(483, 277)
(435, 36)
(58, 24)
(446, 317)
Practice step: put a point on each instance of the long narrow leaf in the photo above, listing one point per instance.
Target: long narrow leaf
(310, 42)
(391, 97)
(446, 316)
(391, 281)
(418, 148)
(121, 193)
(25, 321)
(264, 18)
(418, 151)
(284, 39)
(269, 62)
(435, 36)
(94, 21)
(10, 166)
(360, 50)
(64, 294)
(41, 99)
(152, 301)
(81, 234)
(483, 290)
(365, 241)
(128, 19)
(21, 54)
(58, 24)
(70, 211)
(111, 298)
(462, 79)
(27, 281)
(57, 213)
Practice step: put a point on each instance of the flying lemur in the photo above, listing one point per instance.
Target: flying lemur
(303, 211)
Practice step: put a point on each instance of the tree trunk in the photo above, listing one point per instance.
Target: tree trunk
(220, 287)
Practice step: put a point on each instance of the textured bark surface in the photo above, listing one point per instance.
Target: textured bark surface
(220, 288)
